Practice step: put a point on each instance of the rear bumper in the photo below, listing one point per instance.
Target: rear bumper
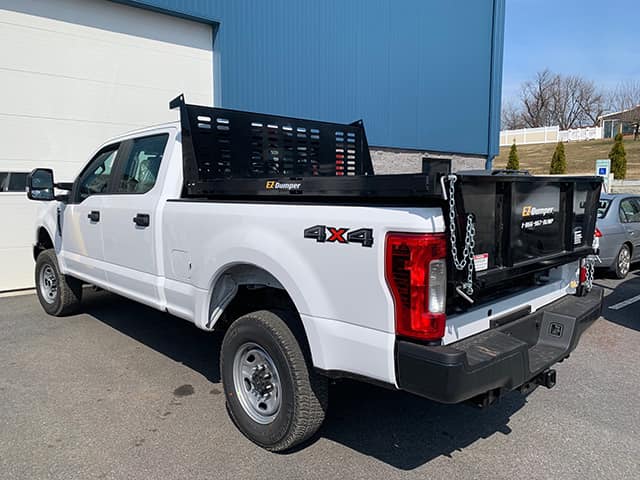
(503, 358)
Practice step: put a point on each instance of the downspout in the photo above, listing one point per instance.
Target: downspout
(495, 81)
(217, 64)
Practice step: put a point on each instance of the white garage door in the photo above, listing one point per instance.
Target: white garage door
(72, 74)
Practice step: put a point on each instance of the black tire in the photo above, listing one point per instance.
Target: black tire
(622, 263)
(303, 393)
(68, 291)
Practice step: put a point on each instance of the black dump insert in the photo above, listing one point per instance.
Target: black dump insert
(526, 223)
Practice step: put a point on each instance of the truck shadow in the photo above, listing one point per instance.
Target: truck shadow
(406, 431)
(396, 428)
(176, 338)
(626, 316)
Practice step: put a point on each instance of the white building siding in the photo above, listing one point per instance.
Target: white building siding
(75, 72)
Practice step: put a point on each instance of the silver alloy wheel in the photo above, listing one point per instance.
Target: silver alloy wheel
(624, 261)
(48, 284)
(257, 383)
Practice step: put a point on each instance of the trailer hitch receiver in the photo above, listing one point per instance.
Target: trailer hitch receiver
(547, 378)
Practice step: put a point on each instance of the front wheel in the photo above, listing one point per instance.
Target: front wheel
(623, 262)
(59, 294)
(273, 395)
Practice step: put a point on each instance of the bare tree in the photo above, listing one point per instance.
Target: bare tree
(568, 101)
(577, 102)
(625, 95)
(536, 97)
(565, 107)
(593, 103)
(511, 117)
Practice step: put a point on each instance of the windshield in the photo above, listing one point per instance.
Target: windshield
(603, 207)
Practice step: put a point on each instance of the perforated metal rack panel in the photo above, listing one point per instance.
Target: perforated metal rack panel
(236, 144)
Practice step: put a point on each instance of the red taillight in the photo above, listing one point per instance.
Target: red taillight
(598, 233)
(583, 272)
(416, 273)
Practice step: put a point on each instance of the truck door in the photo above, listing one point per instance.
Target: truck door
(82, 217)
(130, 226)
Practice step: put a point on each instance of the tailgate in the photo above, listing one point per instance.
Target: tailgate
(526, 224)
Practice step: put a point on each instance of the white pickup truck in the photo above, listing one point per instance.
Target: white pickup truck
(276, 232)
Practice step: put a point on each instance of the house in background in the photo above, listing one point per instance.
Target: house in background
(626, 122)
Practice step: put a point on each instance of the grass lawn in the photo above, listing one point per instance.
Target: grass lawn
(581, 156)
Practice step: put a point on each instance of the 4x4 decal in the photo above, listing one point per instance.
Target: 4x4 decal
(323, 233)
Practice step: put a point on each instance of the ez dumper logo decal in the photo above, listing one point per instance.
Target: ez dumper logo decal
(322, 234)
(544, 214)
(275, 185)
(530, 211)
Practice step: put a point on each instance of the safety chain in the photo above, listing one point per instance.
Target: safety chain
(469, 241)
(589, 264)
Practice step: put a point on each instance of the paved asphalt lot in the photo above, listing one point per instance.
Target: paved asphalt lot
(122, 391)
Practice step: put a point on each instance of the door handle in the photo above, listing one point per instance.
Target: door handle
(141, 220)
(94, 216)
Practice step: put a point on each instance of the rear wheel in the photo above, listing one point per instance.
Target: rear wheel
(59, 294)
(273, 395)
(623, 262)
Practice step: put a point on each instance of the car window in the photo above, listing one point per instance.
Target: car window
(603, 207)
(4, 180)
(17, 182)
(13, 181)
(95, 179)
(635, 202)
(142, 164)
(629, 211)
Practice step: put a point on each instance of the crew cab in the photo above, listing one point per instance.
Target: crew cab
(276, 232)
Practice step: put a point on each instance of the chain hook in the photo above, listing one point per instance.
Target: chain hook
(589, 264)
(467, 260)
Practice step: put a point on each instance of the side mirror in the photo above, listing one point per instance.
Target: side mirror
(40, 185)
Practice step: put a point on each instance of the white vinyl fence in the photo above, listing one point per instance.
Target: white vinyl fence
(527, 136)
(580, 134)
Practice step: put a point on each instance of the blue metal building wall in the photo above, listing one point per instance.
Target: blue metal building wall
(423, 74)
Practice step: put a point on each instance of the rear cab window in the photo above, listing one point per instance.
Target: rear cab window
(141, 163)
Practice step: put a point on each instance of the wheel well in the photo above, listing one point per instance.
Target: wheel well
(628, 244)
(250, 288)
(43, 243)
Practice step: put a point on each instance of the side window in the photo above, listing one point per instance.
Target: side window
(95, 178)
(4, 181)
(629, 211)
(17, 182)
(140, 168)
(13, 181)
(635, 218)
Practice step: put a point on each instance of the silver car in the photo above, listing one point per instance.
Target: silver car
(618, 227)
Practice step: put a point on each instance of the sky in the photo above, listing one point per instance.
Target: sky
(599, 40)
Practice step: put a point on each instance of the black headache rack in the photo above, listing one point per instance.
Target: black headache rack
(231, 154)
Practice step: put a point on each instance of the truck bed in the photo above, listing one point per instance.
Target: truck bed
(524, 224)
